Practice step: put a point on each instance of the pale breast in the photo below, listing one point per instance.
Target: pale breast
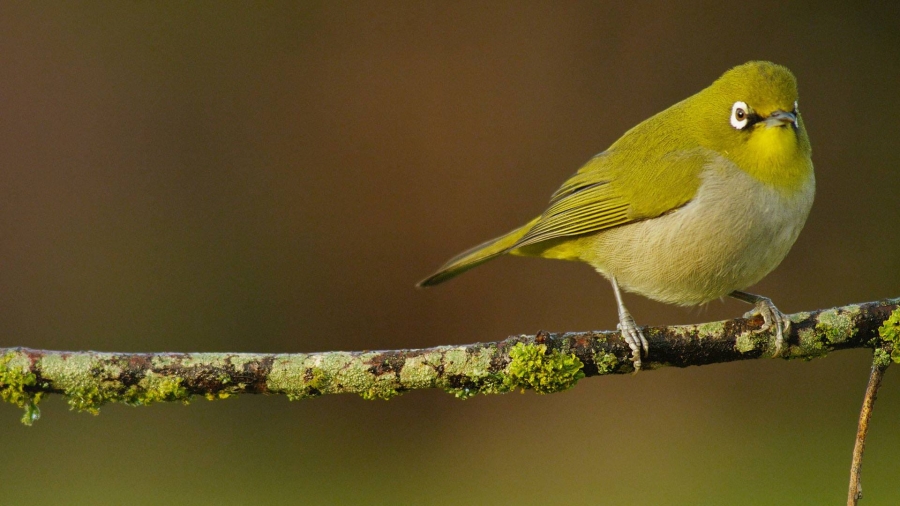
(733, 233)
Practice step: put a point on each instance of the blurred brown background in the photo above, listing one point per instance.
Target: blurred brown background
(276, 177)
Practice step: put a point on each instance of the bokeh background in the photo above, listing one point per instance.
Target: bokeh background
(275, 177)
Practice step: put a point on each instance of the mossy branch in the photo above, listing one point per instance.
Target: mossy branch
(545, 362)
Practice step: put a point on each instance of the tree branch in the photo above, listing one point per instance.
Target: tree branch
(544, 362)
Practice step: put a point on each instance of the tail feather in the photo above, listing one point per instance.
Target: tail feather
(476, 256)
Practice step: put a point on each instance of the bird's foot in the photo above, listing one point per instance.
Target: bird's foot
(771, 317)
(634, 337)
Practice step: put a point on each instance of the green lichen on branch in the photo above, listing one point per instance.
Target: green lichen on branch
(748, 341)
(469, 372)
(532, 366)
(88, 381)
(90, 398)
(303, 376)
(890, 334)
(837, 326)
(316, 382)
(155, 387)
(151, 388)
(489, 384)
(14, 382)
(881, 358)
(606, 362)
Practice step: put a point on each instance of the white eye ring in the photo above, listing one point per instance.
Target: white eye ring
(740, 113)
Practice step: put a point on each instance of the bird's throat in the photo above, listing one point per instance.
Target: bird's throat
(774, 156)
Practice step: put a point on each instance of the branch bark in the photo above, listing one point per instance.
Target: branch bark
(544, 362)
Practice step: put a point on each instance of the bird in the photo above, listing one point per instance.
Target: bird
(695, 203)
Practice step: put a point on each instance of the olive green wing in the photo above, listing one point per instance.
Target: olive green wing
(620, 186)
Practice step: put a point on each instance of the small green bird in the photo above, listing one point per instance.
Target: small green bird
(695, 203)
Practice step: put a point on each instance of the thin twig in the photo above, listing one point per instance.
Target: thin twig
(879, 365)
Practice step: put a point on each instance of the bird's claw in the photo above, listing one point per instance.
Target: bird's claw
(634, 337)
(771, 317)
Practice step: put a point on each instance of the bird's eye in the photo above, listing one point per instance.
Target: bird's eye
(739, 113)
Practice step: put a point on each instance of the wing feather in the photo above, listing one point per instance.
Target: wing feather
(608, 192)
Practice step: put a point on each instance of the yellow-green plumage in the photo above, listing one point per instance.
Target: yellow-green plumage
(685, 207)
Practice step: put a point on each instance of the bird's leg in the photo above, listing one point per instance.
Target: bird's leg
(630, 331)
(770, 314)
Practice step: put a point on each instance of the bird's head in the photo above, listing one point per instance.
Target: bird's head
(751, 116)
